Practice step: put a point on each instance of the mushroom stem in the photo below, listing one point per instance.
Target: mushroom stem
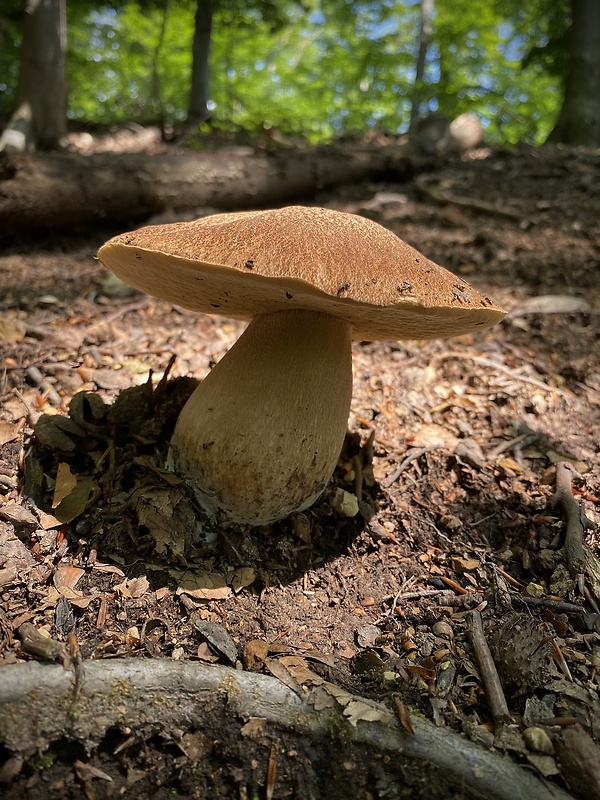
(261, 435)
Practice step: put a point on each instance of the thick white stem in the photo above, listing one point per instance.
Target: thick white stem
(261, 435)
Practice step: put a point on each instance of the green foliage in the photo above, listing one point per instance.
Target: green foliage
(315, 68)
(483, 67)
(10, 34)
(111, 63)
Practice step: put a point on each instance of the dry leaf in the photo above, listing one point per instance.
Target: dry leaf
(123, 589)
(64, 484)
(218, 638)
(205, 653)
(254, 728)
(219, 593)
(280, 671)
(254, 654)
(201, 585)
(18, 515)
(510, 465)
(48, 521)
(404, 716)
(8, 431)
(357, 708)
(80, 602)
(67, 576)
(300, 671)
(555, 458)
(240, 578)
(434, 436)
(138, 586)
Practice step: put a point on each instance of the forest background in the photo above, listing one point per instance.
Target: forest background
(317, 69)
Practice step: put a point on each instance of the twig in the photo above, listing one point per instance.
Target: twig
(487, 362)
(453, 585)
(437, 195)
(120, 312)
(560, 659)
(559, 606)
(445, 596)
(413, 454)
(489, 673)
(577, 522)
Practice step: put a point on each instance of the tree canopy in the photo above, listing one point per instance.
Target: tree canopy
(315, 68)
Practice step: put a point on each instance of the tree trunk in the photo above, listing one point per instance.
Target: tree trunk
(198, 111)
(579, 118)
(424, 37)
(64, 191)
(40, 120)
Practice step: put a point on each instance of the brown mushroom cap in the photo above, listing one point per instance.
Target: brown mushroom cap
(258, 262)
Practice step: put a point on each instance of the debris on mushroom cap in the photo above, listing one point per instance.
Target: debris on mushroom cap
(258, 262)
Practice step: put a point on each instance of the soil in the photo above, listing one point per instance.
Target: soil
(448, 512)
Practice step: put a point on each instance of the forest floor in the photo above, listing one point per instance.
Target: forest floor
(458, 516)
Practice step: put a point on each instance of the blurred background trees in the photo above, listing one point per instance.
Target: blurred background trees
(316, 69)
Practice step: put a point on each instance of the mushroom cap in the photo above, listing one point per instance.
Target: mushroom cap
(258, 262)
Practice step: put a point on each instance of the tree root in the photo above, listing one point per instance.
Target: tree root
(39, 704)
(577, 523)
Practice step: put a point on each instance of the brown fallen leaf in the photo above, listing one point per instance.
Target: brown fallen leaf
(18, 515)
(240, 578)
(254, 654)
(254, 728)
(462, 565)
(48, 521)
(138, 586)
(8, 431)
(67, 576)
(201, 585)
(403, 715)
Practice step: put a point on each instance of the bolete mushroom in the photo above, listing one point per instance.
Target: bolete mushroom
(261, 435)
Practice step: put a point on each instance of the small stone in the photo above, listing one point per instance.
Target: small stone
(462, 565)
(534, 590)
(344, 503)
(537, 739)
(508, 737)
(115, 287)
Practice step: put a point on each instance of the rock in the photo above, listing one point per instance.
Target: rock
(537, 739)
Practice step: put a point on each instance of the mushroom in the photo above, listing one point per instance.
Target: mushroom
(260, 437)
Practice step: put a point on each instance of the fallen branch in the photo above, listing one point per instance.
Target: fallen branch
(413, 455)
(426, 186)
(516, 376)
(487, 668)
(164, 694)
